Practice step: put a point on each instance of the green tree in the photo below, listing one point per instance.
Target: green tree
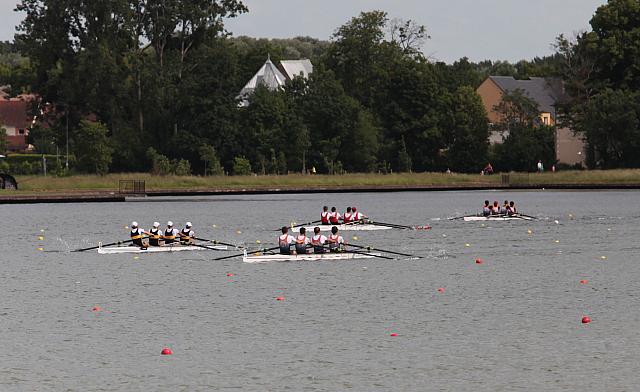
(404, 160)
(210, 158)
(93, 147)
(241, 166)
(468, 137)
(3, 140)
(611, 122)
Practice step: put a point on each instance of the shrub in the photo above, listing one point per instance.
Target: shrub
(241, 166)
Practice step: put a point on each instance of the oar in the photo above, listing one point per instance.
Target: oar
(301, 224)
(458, 217)
(369, 248)
(216, 242)
(103, 245)
(249, 253)
(396, 226)
(207, 247)
(370, 254)
(526, 216)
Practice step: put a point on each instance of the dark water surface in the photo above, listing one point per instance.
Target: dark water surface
(512, 323)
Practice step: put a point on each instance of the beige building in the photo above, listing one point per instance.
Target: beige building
(546, 92)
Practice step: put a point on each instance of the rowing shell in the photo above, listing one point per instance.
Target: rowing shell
(476, 218)
(155, 249)
(354, 227)
(309, 257)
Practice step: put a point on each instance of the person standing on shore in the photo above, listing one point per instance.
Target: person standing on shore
(540, 167)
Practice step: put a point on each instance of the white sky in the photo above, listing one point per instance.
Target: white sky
(479, 29)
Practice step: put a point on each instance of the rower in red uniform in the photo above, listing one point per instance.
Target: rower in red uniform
(357, 216)
(334, 216)
(318, 240)
(302, 242)
(285, 241)
(348, 216)
(324, 216)
(335, 241)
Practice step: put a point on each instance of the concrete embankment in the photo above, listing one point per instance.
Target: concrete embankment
(8, 197)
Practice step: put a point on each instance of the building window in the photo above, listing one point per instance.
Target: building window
(20, 131)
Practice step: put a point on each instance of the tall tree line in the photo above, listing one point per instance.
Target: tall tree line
(161, 77)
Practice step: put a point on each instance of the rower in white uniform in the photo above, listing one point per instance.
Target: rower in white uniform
(137, 235)
(285, 240)
(155, 235)
(187, 235)
(335, 241)
(170, 234)
(302, 242)
(318, 241)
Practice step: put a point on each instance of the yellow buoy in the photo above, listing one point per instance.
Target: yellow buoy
(41, 238)
(42, 230)
(136, 257)
(258, 242)
(214, 226)
(355, 238)
(126, 227)
(557, 241)
(41, 249)
(238, 232)
(467, 245)
(603, 257)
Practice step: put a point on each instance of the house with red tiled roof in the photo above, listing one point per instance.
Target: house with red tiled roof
(16, 121)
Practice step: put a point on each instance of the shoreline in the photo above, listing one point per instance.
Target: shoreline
(110, 196)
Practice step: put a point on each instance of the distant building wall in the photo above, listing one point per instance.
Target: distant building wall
(491, 96)
(570, 148)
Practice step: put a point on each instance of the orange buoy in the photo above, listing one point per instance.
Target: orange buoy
(441, 290)
(586, 320)
(393, 334)
(279, 298)
(479, 261)
(96, 309)
(584, 281)
(166, 351)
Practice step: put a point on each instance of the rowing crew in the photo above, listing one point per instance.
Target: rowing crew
(156, 236)
(316, 244)
(508, 208)
(333, 217)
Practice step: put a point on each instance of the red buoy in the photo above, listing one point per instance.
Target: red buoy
(479, 261)
(96, 309)
(279, 298)
(393, 334)
(166, 351)
(584, 281)
(441, 290)
(229, 274)
(586, 320)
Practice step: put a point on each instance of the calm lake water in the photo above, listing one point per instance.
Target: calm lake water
(511, 323)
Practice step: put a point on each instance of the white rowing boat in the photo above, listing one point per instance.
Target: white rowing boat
(476, 218)
(262, 258)
(354, 227)
(155, 249)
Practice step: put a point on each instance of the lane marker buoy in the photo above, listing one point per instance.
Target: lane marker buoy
(279, 298)
(96, 309)
(393, 334)
(441, 289)
(586, 320)
(479, 261)
(166, 351)
(584, 281)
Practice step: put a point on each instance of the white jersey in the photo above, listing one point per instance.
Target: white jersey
(318, 239)
(286, 239)
(358, 216)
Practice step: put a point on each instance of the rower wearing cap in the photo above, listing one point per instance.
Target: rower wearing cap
(137, 234)
(357, 216)
(318, 240)
(486, 209)
(285, 241)
(186, 234)
(505, 207)
(170, 234)
(334, 216)
(335, 241)
(302, 242)
(324, 216)
(155, 235)
(348, 216)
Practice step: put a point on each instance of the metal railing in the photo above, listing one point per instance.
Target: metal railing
(132, 187)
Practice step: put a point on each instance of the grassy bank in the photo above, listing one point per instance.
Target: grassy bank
(110, 182)
(87, 183)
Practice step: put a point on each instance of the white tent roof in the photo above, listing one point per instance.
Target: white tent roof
(293, 68)
(268, 76)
